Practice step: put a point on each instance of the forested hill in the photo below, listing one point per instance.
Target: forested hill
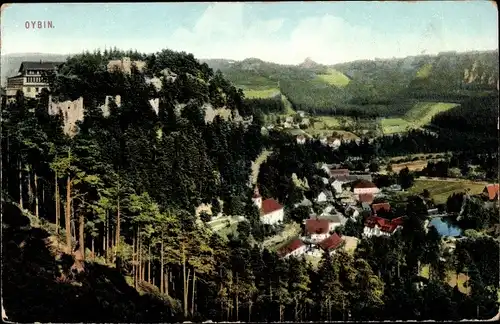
(359, 85)
(124, 189)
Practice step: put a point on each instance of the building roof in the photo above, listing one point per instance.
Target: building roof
(317, 226)
(290, 247)
(362, 183)
(491, 190)
(38, 65)
(385, 225)
(270, 205)
(335, 219)
(301, 137)
(332, 242)
(366, 198)
(339, 172)
(381, 206)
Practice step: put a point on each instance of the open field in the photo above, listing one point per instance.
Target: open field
(421, 156)
(288, 106)
(334, 78)
(412, 166)
(256, 164)
(261, 93)
(419, 115)
(440, 190)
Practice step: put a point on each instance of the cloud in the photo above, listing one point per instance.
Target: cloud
(223, 32)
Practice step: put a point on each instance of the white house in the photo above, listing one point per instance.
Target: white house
(301, 113)
(289, 120)
(381, 227)
(271, 212)
(287, 125)
(295, 248)
(305, 121)
(321, 197)
(323, 140)
(319, 229)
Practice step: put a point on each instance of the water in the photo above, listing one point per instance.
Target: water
(444, 229)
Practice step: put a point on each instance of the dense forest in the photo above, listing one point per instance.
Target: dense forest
(120, 198)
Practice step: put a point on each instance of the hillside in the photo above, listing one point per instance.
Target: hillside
(369, 88)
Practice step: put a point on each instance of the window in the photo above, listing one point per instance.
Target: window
(28, 89)
(36, 89)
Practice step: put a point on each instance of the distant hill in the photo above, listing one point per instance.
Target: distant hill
(10, 62)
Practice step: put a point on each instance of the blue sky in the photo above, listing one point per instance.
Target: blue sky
(328, 32)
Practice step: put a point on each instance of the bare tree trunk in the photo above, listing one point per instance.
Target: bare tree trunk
(167, 282)
(108, 229)
(139, 257)
(58, 205)
(93, 248)
(105, 228)
(68, 213)
(37, 214)
(117, 238)
(237, 298)
(194, 290)
(185, 280)
(149, 263)
(134, 258)
(20, 184)
(162, 271)
(81, 232)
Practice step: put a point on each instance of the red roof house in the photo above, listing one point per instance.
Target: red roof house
(317, 226)
(269, 205)
(491, 191)
(291, 247)
(362, 184)
(331, 243)
(385, 225)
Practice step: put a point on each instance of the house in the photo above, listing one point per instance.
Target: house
(324, 196)
(304, 202)
(301, 139)
(384, 207)
(287, 125)
(364, 187)
(323, 140)
(395, 187)
(491, 191)
(337, 185)
(365, 198)
(352, 212)
(379, 226)
(289, 120)
(301, 113)
(332, 243)
(271, 212)
(294, 248)
(30, 78)
(319, 229)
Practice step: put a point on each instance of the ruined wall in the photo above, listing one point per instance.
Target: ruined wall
(72, 112)
(125, 65)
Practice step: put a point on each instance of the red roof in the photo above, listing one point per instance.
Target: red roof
(364, 184)
(384, 224)
(367, 198)
(270, 205)
(491, 190)
(381, 206)
(317, 226)
(332, 242)
(290, 247)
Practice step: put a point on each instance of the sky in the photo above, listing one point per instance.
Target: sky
(285, 32)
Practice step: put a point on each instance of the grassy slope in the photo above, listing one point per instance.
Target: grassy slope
(441, 190)
(256, 165)
(419, 115)
(335, 78)
(261, 93)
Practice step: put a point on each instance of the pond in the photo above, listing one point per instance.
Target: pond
(445, 229)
